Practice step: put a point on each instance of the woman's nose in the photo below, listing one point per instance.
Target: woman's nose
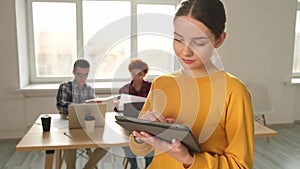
(187, 51)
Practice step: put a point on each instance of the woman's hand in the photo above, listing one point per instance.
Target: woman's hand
(156, 116)
(117, 102)
(153, 116)
(175, 149)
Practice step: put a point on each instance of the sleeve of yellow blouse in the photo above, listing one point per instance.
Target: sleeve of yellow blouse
(239, 128)
(140, 149)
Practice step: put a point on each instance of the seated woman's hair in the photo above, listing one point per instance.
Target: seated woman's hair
(138, 64)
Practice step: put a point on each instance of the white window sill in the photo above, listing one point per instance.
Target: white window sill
(295, 80)
(50, 89)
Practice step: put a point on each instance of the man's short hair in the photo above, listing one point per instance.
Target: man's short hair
(81, 63)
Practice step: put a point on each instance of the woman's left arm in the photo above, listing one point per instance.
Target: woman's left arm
(239, 134)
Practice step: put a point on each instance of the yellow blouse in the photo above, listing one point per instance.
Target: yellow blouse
(217, 108)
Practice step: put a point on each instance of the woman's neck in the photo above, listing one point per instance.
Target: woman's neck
(137, 85)
(201, 72)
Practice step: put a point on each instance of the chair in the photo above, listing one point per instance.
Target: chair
(125, 162)
(261, 103)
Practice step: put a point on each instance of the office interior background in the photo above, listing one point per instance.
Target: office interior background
(259, 49)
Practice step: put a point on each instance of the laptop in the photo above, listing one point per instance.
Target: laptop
(77, 113)
(133, 109)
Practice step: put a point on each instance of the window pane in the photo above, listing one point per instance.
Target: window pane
(54, 25)
(296, 65)
(105, 50)
(155, 45)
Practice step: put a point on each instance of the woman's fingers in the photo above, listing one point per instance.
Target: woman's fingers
(153, 116)
(170, 120)
(156, 142)
(158, 116)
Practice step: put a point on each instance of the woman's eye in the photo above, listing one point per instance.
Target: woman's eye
(177, 39)
(200, 43)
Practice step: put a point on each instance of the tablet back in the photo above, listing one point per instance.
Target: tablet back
(77, 113)
(165, 131)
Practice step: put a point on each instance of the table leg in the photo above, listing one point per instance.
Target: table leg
(59, 159)
(49, 159)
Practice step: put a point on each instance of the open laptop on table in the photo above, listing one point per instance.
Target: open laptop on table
(133, 109)
(77, 113)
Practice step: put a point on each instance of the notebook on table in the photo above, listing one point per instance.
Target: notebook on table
(109, 101)
(78, 112)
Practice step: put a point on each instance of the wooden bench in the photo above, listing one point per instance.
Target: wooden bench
(263, 131)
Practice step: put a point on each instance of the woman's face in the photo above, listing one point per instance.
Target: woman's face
(193, 42)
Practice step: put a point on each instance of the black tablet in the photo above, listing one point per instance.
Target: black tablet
(165, 131)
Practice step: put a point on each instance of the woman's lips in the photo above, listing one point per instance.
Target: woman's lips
(186, 61)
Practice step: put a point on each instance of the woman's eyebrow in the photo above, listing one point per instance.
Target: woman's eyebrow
(177, 34)
(195, 38)
(200, 38)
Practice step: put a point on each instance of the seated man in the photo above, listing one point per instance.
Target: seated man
(77, 91)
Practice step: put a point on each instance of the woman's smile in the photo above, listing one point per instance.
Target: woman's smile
(187, 61)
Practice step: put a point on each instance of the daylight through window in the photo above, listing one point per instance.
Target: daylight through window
(86, 29)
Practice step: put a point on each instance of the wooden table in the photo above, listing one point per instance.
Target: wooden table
(61, 137)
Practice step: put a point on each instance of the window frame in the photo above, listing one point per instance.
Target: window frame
(296, 74)
(33, 79)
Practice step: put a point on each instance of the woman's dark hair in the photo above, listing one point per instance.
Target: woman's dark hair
(209, 12)
(81, 63)
(138, 64)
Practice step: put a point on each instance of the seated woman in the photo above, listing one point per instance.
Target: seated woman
(138, 87)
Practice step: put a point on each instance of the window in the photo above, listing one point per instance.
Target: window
(296, 62)
(107, 33)
(161, 57)
(54, 37)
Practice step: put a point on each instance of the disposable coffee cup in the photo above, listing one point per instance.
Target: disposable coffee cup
(89, 123)
(46, 123)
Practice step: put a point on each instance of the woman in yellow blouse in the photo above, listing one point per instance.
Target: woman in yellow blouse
(213, 103)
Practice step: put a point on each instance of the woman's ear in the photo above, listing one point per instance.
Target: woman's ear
(220, 40)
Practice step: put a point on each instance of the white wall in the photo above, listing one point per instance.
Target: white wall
(11, 103)
(258, 49)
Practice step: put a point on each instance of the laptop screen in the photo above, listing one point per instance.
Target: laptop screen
(133, 109)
